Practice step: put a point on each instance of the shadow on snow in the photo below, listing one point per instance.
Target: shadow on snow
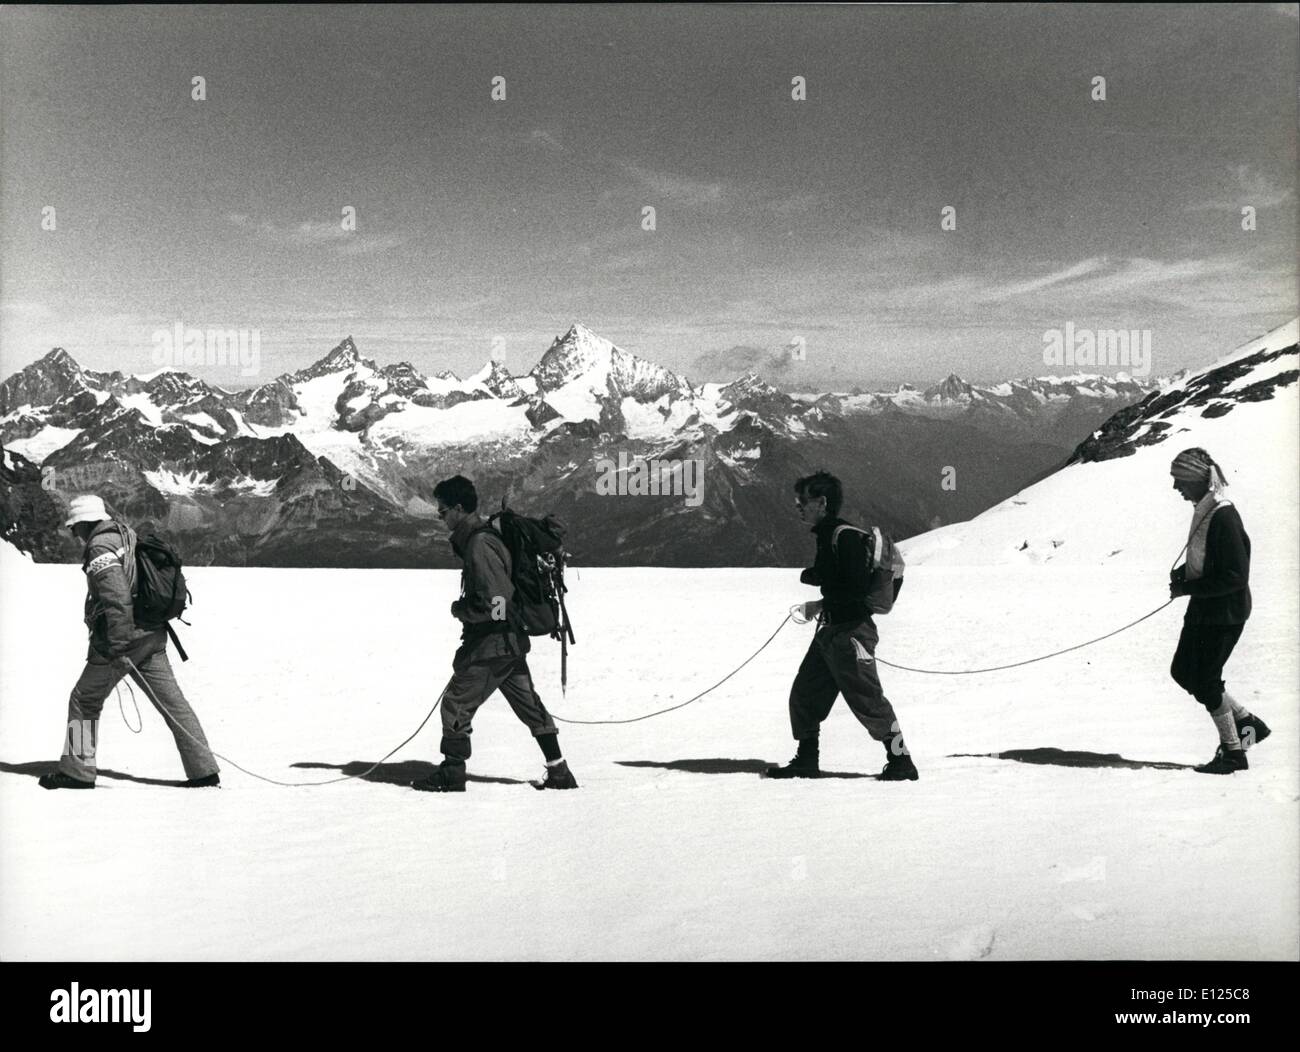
(725, 766)
(39, 767)
(1074, 758)
(402, 773)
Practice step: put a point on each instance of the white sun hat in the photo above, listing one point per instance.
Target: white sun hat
(86, 509)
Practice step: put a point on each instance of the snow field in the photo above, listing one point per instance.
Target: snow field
(674, 848)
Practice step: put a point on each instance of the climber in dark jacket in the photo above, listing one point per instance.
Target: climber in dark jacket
(493, 651)
(1216, 576)
(841, 657)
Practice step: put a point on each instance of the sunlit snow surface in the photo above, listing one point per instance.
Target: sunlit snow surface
(674, 847)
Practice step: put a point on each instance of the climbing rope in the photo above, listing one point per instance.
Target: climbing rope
(275, 781)
(347, 777)
(1054, 653)
(122, 709)
(1027, 661)
(688, 701)
(795, 615)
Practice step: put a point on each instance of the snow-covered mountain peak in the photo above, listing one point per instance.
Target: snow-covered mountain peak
(496, 378)
(60, 359)
(582, 374)
(577, 353)
(47, 380)
(343, 358)
(402, 372)
(951, 389)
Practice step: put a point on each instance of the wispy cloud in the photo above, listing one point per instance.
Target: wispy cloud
(676, 189)
(728, 363)
(1252, 187)
(1022, 288)
(315, 233)
(542, 137)
(1101, 279)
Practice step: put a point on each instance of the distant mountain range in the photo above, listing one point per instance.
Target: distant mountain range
(335, 464)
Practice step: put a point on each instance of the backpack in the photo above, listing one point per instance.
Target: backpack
(885, 567)
(537, 558)
(161, 593)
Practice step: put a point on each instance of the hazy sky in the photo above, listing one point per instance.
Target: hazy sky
(776, 219)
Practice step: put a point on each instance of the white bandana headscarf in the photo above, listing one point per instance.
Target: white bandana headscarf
(1196, 465)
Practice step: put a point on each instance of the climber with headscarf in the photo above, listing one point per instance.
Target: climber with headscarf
(1216, 576)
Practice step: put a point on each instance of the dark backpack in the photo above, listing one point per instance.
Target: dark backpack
(537, 557)
(160, 590)
(885, 566)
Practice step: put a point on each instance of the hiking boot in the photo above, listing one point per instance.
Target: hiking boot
(207, 781)
(558, 776)
(899, 769)
(804, 765)
(59, 780)
(1251, 730)
(1225, 761)
(446, 778)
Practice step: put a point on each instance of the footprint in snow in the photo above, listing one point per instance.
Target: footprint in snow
(1090, 911)
(972, 944)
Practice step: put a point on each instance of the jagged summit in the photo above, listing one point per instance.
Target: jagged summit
(577, 351)
(342, 358)
(581, 366)
(43, 382)
(749, 384)
(951, 389)
(58, 356)
(497, 379)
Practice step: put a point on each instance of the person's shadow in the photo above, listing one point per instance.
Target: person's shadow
(403, 772)
(726, 766)
(1074, 758)
(39, 767)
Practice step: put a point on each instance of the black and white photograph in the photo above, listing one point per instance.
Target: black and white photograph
(650, 483)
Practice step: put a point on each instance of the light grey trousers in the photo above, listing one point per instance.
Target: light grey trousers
(97, 681)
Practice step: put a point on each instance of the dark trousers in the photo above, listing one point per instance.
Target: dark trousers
(841, 660)
(1198, 663)
(491, 663)
(97, 681)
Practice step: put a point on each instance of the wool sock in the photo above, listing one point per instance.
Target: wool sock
(1238, 709)
(1227, 726)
